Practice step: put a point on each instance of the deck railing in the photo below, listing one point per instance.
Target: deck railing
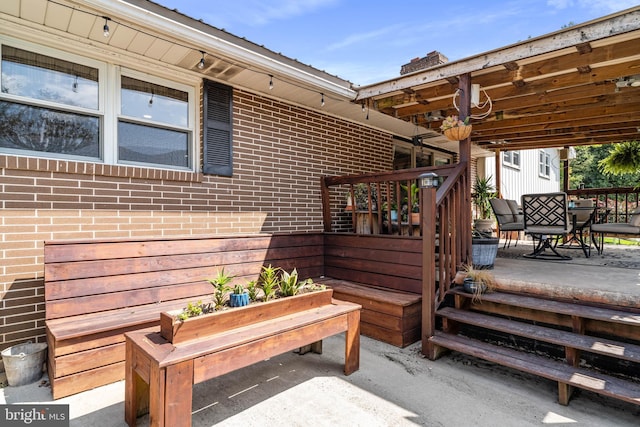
(444, 222)
(619, 201)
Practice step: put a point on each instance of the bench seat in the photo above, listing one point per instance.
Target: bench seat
(388, 315)
(98, 290)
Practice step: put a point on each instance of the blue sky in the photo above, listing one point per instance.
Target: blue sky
(368, 41)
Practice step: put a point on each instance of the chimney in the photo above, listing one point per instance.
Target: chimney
(431, 60)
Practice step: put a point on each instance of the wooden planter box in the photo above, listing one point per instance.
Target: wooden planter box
(178, 331)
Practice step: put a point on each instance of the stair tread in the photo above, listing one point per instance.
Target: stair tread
(598, 345)
(542, 366)
(567, 308)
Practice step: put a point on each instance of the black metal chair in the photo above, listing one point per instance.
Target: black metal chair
(546, 219)
(508, 219)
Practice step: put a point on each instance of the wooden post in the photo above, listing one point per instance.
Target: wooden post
(565, 170)
(428, 220)
(498, 175)
(326, 205)
(465, 156)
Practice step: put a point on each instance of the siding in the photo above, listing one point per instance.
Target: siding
(526, 180)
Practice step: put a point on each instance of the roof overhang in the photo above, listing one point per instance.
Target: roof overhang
(577, 86)
(167, 41)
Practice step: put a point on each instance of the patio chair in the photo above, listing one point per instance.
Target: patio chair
(508, 219)
(632, 229)
(583, 215)
(547, 221)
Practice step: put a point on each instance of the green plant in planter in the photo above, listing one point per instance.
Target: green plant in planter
(414, 190)
(394, 210)
(221, 287)
(239, 297)
(483, 191)
(269, 281)
(252, 290)
(361, 197)
(477, 282)
(289, 283)
(191, 310)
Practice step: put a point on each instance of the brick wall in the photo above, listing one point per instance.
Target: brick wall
(280, 153)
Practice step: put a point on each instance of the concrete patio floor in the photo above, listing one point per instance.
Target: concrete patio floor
(394, 387)
(613, 277)
(397, 387)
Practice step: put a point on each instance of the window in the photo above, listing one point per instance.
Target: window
(407, 156)
(48, 105)
(153, 124)
(511, 158)
(54, 104)
(545, 164)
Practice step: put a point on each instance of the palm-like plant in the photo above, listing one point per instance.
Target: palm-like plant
(483, 191)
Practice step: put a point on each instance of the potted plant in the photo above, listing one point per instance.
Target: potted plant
(483, 192)
(477, 282)
(239, 297)
(414, 190)
(455, 129)
(393, 211)
(361, 197)
(287, 295)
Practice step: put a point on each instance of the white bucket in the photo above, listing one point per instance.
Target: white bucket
(24, 363)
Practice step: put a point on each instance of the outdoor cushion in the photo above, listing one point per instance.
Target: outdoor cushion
(635, 217)
(516, 211)
(612, 227)
(502, 212)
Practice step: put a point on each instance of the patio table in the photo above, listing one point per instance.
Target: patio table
(576, 232)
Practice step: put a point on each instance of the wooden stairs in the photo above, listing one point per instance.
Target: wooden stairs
(589, 339)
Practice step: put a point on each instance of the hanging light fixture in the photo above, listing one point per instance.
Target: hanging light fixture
(105, 28)
(270, 82)
(322, 99)
(201, 63)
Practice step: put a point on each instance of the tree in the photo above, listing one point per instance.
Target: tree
(586, 169)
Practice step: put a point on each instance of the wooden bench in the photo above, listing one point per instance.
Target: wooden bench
(390, 316)
(383, 274)
(160, 374)
(97, 290)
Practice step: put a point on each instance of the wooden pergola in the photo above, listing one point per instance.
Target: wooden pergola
(577, 86)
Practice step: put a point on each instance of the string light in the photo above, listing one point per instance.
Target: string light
(74, 86)
(201, 63)
(363, 109)
(105, 29)
(151, 100)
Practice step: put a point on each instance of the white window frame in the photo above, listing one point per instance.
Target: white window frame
(512, 159)
(99, 112)
(190, 129)
(108, 110)
(544, 164)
